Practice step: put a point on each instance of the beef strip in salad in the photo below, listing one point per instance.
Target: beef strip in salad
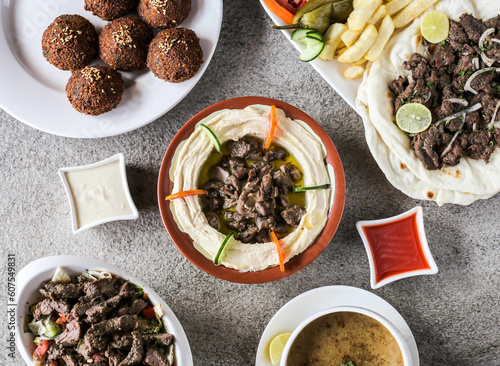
(459, 81)
(97, 319)
(250, 191)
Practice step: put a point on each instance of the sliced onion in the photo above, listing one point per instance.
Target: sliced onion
(427, 97)
(474, 126)
(488, 61)
(475, 63)
(467, 86)
(457, 101)
(495, 40)
(466, 54)
(474, 108)
(410, 79)
(492, 122)
(448, 148)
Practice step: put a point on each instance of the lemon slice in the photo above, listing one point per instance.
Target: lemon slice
(413, 117)
(277, 346)
(435, 26)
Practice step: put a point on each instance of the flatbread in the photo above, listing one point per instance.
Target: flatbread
(462, 184)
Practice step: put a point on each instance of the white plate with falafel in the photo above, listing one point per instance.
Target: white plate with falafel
(98, 68)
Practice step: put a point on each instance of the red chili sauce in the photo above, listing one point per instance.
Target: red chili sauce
(396, 247)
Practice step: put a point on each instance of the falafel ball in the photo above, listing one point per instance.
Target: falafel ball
(95, 90)
(164, 13)
(110, 9)
(123, 43)
(175, 55)
(70, 42)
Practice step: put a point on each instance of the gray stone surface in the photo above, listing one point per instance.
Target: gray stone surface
(454, 315)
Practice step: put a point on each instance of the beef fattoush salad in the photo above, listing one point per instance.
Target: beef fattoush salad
(97, 319)
(458, 82)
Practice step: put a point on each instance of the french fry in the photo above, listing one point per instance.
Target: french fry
(384, 34)
(350, 37)
(396, 5)
(412, 11)
(361, 13)
(332, 40)
(340, 51)
(360, 62)
(354, 72)
(380, 13)
(362, 45)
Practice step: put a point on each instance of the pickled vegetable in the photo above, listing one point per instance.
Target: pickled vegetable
(318, 19)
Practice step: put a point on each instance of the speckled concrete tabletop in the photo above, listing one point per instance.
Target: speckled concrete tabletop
(454, 315)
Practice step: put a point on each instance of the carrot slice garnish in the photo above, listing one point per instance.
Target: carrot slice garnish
(279, 11)
(272, 126)
(194, 192)
(280, 253)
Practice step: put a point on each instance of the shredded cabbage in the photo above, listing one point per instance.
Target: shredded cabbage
(60, 276)
(93, 275)
(38, 327)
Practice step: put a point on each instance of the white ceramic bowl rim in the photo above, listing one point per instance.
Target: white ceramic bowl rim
(403, 346)
(29, 279)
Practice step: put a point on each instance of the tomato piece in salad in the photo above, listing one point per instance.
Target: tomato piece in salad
(41, 350)
(292, 5)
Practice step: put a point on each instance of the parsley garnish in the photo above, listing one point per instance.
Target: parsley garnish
(443, 43)
(350, 363)
(491, 143)
(429, 84)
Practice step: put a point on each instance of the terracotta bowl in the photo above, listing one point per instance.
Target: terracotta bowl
(185, 243)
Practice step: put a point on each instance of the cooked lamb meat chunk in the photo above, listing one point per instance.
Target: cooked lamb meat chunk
(473, 27)
(73, 360)
(136, 353)
(453, 156)
(218, 173)
(266, 187)
(127, 291)
(292, 171)
(238, 168)
(233, 183)
(265, 208)
(419, 66)
(55, 351)
(398, 85)
(496, 134)
(457, 36)
(57, 291)
(443, 56)
(483, 82)
(480, 146)
(243, 149)
(282, 181)
(114, 358)
(120, 324)
(465, 65)
(455, 124)
(231, 215)
(473, 121)
(488, 103)
(155, 357)
(282, 201)
(164, 339)
(212, 219)
(248, 233)
(425, 145)
(71, 334)
(293, 215)
(80, 308)
(265, 222)
(84, 350)
(212, 187)
(448, 93)
(493, 23)
(493, 49)
(276, 153)
(416, 92)
(459, 82)
(262, 167)
(215, 203)
(246, 204)
(97, 313)
(48, 306)
(102, 287)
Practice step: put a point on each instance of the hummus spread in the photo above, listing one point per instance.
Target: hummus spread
(294, 136)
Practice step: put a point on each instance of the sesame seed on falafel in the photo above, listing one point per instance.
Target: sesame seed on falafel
(175, 55)
(95, 90)
(164, 13)
(110, 9)
(123, 43)
(69, 42)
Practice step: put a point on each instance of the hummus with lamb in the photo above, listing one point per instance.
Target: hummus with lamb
(250, 189)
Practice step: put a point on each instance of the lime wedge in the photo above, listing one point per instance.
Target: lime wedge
(435, 26)
(413, 118)
(277, 346)
(211, 135)
(311, 188)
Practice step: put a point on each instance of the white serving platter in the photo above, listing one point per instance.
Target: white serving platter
(331, 71)
(294, 312)
(29, 279)
(33, 91)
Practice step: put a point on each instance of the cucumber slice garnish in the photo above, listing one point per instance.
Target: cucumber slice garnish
(211, 135)
(312, 41)
(222, 248)
(311, 188)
